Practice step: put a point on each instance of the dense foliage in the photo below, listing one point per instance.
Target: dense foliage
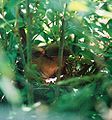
(85, 28)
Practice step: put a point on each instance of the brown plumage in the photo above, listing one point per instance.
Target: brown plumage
(46, 59)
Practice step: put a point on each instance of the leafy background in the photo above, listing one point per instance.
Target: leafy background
(86, 28)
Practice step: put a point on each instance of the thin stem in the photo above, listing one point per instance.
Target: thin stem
(19, 38)
(6, 22)
(61, 47)
(60, 54)
(28, 35)
(29, 51)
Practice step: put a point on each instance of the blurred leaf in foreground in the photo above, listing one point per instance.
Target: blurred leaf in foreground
(6, 78)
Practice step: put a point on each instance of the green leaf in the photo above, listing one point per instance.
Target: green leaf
(13, 3)
(56, 5)
(87, 54)
(50, 15)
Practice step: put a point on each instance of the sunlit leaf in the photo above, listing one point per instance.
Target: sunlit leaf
(78, 6)
(104, 13)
